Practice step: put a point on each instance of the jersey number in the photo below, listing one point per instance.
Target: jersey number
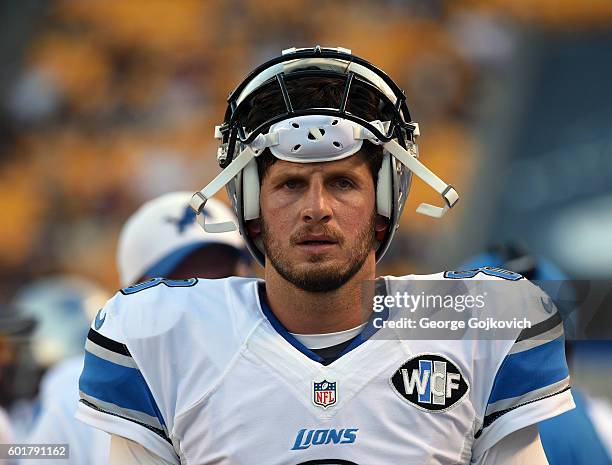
(133, 289)
(488, 270)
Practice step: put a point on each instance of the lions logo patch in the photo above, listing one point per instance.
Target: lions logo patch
(430, 382)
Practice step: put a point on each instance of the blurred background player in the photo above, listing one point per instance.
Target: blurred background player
(583, 435)
(161, 239)
(14, 332)
(61, 306)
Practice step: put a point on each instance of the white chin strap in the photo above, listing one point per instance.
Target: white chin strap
(408, 159)
(318, 138)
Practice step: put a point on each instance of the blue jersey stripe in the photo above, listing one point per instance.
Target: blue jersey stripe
(117, 384)
(531, 369)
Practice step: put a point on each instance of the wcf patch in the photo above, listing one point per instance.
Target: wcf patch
(430, 382)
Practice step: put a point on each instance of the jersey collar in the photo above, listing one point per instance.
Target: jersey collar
(368, 331)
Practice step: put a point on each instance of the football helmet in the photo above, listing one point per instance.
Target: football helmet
(309, 134)
(163, 232)
(62, 307)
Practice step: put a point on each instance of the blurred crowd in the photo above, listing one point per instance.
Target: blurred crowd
(113, 103)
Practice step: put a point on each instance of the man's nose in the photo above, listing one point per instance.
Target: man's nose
(316, 204)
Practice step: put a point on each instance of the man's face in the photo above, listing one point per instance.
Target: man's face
(318, 221)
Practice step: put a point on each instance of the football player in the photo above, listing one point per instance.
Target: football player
(317, 150)
(62, 306)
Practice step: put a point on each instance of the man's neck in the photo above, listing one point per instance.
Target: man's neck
(321, 312)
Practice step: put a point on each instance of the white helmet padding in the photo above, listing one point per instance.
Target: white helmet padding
(250, 197)
(314, 138)
(310, 135)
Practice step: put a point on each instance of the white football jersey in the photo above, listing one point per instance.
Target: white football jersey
(201, 372)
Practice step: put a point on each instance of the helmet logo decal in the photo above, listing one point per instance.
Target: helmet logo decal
(187, 219)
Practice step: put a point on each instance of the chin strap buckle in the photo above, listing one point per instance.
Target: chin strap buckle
(199, 199)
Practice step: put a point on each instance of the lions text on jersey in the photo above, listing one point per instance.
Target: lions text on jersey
(201, 372)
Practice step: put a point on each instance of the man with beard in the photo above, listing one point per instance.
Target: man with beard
(317, 150)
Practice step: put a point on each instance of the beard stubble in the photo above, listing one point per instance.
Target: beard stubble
(324, 278)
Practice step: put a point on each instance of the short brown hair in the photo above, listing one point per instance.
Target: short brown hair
(314, 92)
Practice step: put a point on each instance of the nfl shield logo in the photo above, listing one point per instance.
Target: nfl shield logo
(324, 393)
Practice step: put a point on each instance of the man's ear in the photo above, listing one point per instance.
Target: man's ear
(381, 225)
(254, 228)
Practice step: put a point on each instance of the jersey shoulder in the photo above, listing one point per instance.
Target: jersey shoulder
(209, 319)
(161, 307)
(158, 348)
(518, 352)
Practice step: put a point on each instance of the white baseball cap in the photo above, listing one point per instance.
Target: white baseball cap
(164, 231)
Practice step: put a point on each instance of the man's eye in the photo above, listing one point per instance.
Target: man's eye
(292, 184)
(344, 183)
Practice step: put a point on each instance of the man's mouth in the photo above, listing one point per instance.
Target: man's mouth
(317, 242)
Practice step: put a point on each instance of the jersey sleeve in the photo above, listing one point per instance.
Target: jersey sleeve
(532, 382)
(114, 394)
